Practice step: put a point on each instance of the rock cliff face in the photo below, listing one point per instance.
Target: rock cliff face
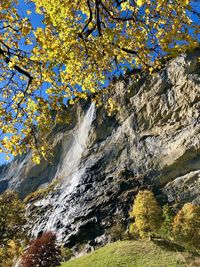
(101, 162)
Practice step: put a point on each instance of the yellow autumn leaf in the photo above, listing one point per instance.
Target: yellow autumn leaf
(28, 12)
(140, 2)
(186, 2)
(7, 157)
(150, 70)
(11, 64)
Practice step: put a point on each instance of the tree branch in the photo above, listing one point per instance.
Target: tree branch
(16, 67)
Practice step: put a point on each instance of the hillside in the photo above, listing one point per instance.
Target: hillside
(140, 253)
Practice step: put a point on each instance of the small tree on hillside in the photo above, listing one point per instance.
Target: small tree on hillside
(117, 232)
(42, 252)
(186, 226)
(168, 216)
(147, 214)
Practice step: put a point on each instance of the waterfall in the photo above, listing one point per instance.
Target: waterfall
(69, 172)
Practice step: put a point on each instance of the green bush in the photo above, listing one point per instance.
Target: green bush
(168, 216)
(117, 232)
(66, 254)
(40, 193)
(133, 231)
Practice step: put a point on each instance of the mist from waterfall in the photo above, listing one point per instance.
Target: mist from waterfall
(69, 173)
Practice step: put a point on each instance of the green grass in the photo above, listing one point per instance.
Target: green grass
(140, 253)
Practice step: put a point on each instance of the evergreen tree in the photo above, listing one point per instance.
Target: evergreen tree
(168, 216)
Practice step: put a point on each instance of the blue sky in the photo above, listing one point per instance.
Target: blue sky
(36, 21)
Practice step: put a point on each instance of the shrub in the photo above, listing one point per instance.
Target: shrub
(117, 232)
(41, 192)
(42, 252)
(66, 254)
(186, 226)
(147, 214)
(133, 231)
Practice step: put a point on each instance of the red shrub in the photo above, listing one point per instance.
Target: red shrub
(42, 252)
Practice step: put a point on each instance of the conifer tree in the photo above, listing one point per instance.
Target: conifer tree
(168, 216)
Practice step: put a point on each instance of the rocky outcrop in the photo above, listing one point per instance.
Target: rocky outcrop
(153, 141)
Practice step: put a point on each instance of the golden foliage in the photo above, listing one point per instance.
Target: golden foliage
(13, 251)
(186, 226)
(12, 227)
(81, 45)
(147, 214)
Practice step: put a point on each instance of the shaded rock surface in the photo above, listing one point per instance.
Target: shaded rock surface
(153, 141)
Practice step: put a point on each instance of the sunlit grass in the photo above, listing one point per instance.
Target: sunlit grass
(142, 253)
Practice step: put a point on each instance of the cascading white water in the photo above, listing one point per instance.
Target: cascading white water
(69, 170)
(69, 173)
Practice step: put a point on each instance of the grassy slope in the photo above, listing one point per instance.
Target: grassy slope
(141, 253)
